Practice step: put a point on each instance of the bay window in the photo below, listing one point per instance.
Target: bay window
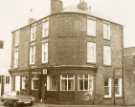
(67, 82)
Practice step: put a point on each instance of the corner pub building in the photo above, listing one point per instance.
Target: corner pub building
(69, 57)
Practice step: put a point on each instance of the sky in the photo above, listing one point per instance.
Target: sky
(15, 13)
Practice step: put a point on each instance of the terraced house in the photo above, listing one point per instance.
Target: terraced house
(69, 57)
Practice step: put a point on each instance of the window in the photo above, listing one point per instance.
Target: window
(16, 55)
(33, 33)
(51, 83)
(67, 82)
(32, 54)
(45, 29)
(85, 83)
(91, 52)
(35, 83)
(118, 87)
(91, 27)
(106, 31)
(7, 79)
(107, 55)
(17, 34)
(107, 87)
(44, 52)
(17, 83)
(23, 82)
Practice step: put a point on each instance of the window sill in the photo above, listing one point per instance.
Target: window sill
(107, 65)
(107, 97)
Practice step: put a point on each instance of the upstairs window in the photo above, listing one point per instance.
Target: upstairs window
(118, 87)
(16, 38)
(32, 54)
(91, 27)
(107, 55)
(91, 52)
(45, 29)
(45, 52)
(106, 31)
(67, 82)
(108, 88)
(16, 56)
(33, 33)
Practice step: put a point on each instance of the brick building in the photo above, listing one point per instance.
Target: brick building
(129, 75)
(69, 57)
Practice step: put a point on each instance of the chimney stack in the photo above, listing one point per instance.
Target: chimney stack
(31, 20)
(83, 5)
(56, 6)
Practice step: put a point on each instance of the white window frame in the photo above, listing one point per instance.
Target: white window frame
(32, 83)
(16, 57)
(119, 86)
(17, 83)
(23, 83)
(107, 55)
(107, 31)
(45, 28)
(16, 38)
(91, 52)
(90, 78)
(45, 52)
(109, 87)
(33, 33)
(32, 54)
(91, 27)
(67, 78)
(49, 83)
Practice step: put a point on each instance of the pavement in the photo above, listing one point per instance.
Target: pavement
(44, 105)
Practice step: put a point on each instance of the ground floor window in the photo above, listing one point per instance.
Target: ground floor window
(17, 83)
(85, 83)
(67, 82)
(51, 83)
(7, 79)
(23, 83)
(107, 87)
(35, 83)
(118, 87)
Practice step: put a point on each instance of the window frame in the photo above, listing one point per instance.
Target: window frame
(33, 31)
(44, 52)
(16, 57)
(91, 52)
(119, 86)
(90, 78)
(94, 25)
(67, 79)
(109, 80)
(17, 38)
(107, 31)
(107, 55)
(32, 83)
(23, 85)
(32, 54)
(45, 28)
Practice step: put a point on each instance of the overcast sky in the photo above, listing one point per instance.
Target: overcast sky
(15, 13)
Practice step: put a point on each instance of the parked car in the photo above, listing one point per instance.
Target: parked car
(16, 100)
